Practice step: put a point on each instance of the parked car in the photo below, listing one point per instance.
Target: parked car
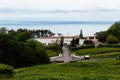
(86, 57)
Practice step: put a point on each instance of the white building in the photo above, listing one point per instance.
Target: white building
(54, 39)
(67, 39)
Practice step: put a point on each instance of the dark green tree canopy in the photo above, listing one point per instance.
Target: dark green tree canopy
(88, 42)
(114, 30)
(112, 40)
(81, 34)
(17, 48)
(3, 30)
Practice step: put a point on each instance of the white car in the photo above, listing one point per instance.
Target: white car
(86, 57)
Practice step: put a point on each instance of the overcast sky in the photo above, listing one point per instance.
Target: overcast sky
(77, 10)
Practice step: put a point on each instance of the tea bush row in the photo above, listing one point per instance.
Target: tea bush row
(5, 71)
(97, 51)
(106, 70)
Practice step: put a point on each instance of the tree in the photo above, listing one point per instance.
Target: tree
(77, 41)
(81, 34)
(115, 30)
(88, 42)
(18, 51)
(73, 42)
(61, 42)
(41, 56)
(23, 36)
(59, 34)
(112, 39)
(102, 36)
(3, 30)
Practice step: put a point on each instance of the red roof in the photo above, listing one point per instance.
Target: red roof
(59, 37)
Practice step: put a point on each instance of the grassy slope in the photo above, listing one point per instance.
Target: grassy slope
(52, 53)
(107, 70)
(94, 51)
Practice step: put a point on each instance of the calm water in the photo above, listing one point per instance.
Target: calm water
(66, 28)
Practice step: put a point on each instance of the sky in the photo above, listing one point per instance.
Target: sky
(57, 10)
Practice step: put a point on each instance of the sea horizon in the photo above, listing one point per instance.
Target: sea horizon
(66, 28)
(30, 22)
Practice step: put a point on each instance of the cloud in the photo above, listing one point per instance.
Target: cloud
(52, 11)
(60, 4)
(60, 9)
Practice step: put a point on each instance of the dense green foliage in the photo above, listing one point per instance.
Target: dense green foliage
(88, 42)
(52, 53)
(33, 33)
(74, 42)
(106, 70)
(110, 55)
(114, 30)
(6, 71)
(54, 47)
(77, 41)
(110, 45)
(81, 34)
(19, 50)
(61, 42)
(94, 51)
(102, 36)
(82, 47)
(112, 40)
(3, 30)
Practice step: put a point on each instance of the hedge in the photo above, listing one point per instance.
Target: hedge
(6, 69)
(83, 47)
(6, 72)
(110, 45)
(97, 51)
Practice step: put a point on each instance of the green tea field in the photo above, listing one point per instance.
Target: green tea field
(104, 70)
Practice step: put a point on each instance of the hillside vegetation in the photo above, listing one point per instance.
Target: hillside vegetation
(111, 36)
(93, 51)
(106, 70)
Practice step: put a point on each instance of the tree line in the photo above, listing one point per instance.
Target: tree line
(33, 33)
(17, 48)
(110, 36)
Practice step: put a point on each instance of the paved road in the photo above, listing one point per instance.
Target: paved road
(66, 56)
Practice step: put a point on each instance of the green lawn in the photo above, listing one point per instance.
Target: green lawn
(52, 53)
(105, 70)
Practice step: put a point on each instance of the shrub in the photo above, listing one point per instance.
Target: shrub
(88, 42)
(112, 40)
(52, 53)
(5, 71)
(97, 51)
(83, 47)
(54, 47)
(110, 45)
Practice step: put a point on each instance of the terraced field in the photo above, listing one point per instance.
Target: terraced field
(105, 70)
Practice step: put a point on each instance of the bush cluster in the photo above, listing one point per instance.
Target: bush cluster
(110, 45)
(21, 53)
(6, 71)
(104, 70)
(97, 51)
(54, 47)
(83, 47)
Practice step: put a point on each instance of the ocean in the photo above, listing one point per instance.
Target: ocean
(66, 28)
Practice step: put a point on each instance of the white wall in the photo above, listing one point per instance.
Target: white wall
(52, 40)
(81, 41)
